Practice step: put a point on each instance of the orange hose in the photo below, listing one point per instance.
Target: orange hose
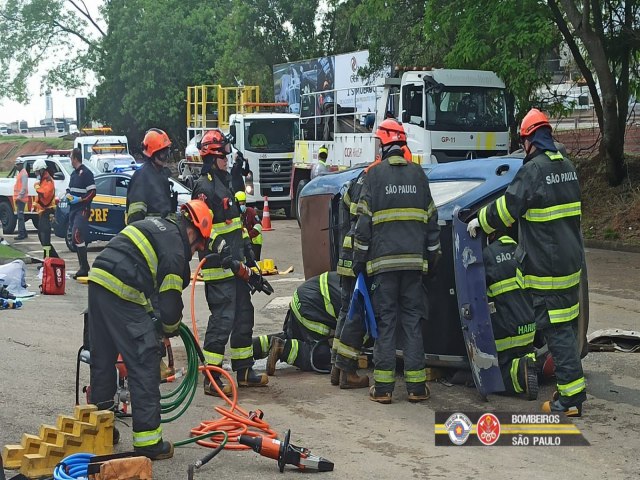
(235, 421)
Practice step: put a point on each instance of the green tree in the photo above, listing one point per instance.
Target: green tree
(604, 38)
(512, 38)
(60, 35)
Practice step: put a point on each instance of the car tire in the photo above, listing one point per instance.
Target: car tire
(7, 217)
(68, 239)
(287, 212)
(35, 220)
(301, 185)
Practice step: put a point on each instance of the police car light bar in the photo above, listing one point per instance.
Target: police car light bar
(51, 152)
(125, 169)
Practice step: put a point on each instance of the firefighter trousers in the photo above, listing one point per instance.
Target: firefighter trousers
(231, 315)
(563, 345)
(117, 326)
(512, 368)
(346, 290)
(397, 299)
(350, 333)
(44, 233)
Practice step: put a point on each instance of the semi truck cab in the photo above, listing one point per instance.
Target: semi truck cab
(267, 142)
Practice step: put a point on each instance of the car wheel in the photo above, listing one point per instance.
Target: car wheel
(301, 185)
(68, 239)
(7, 217)
(35, 220)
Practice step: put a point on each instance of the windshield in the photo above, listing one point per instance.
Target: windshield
(467, 108)
(448, 191)
(270, 135)
(90, 149)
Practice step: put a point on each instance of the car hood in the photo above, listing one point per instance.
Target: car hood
(492, 174)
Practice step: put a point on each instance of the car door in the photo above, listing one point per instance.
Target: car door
(474, 309)
(100, 221)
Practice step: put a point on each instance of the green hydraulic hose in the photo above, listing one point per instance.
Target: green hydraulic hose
(180, 398)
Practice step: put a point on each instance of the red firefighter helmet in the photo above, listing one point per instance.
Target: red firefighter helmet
(532, 121)
(197, 212)
(154, 141)
(214, 143)
(390, 132)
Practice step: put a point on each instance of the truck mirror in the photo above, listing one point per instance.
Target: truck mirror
(58, 176)
(232, 133)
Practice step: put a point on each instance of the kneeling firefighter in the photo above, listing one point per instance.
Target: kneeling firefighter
(513, 322)
(146, 258)
(308, 327)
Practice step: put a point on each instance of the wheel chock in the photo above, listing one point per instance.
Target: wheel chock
(89, 430)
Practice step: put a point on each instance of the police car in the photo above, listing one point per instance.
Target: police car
(464, 185)
(108, 208)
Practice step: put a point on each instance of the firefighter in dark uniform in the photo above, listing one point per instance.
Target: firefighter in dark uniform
(228, 297)
(149, 192)
(81, 190)
(309, 325)
(147, 257)
(514, 326)
(348, 341)
(545, 197)
(396, 235)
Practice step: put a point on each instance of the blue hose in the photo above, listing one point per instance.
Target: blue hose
(73, 467)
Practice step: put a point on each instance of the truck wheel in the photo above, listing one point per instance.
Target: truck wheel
(68, 239)
(7, 217)
(287, 212)
(301, 185)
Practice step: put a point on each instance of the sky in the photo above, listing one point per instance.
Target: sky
(64, 103)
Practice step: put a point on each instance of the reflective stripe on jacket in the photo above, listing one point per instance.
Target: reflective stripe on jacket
(545, 197)
(347, 219)
(148, 194)
(215, 189)
(513, 321)
(316, 303)
(46, 190)
(146, 258)
(398, 220)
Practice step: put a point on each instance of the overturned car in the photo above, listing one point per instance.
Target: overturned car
(459, 190)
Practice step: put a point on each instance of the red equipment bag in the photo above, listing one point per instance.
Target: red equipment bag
(53, 276)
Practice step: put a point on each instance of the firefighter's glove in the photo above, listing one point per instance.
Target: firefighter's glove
(359, 267)
(433, 260)
(472, 227)
(72, 199)
(231, 264)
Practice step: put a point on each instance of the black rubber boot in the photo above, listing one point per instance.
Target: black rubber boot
(160, 451)
(209, 389)
(248, 378)
(84, 263)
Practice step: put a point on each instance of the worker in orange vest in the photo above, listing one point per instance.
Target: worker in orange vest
(45, 206)
(21, 197)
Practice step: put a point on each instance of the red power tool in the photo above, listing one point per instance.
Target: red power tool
(286, 454)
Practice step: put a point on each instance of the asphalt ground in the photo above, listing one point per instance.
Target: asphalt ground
(38, 346)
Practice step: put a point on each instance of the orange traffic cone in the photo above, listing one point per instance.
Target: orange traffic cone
(266, 216)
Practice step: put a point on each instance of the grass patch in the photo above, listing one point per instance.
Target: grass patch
(53, 142)
(9, 254)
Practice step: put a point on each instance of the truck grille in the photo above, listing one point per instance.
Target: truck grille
(278, 178)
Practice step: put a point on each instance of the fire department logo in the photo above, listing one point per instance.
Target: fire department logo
(488, 429)
(458, 426)
(276, 167)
